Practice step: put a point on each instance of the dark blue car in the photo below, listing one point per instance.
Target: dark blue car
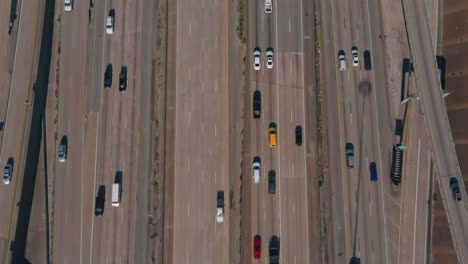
(373, 171)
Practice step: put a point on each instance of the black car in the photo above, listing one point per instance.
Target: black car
(100, 199)
(123, 79)
(455, 189)
(274, 250)
(367, 60)
(257, 104)
(108, 76)
(298, 135)
(271, 182)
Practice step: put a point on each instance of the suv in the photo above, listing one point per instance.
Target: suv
(123, 79)
(257, 53)
(108, 76)
(268, 8)
(272, 132)
(271, 182)
(367, 60)
(298, 135)
(100, 199)
(8, 171)
(257, 246)
(274, 250)
(373, 171)
(257, 104)
(256, 169)
(342, 60)
(455, 189)
(349, 155)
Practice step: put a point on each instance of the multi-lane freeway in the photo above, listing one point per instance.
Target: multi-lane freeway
(109, 133)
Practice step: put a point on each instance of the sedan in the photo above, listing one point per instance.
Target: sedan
(355, 53)
(257, 246)
(123, 79)
(298, 135)
(7, 173)
(373, 171)
(110, 22)
(269, 55)
(68, 5)
(257, 53)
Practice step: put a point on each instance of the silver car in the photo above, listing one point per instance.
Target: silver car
(62, 152)
(7, 173)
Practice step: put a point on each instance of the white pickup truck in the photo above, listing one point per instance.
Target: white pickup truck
(220, 207)
(268, 7)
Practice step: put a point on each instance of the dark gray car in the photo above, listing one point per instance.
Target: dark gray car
(272, 182)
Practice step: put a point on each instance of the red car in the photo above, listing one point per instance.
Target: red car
(257, 246)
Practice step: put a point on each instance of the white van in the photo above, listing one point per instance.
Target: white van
(116, 191)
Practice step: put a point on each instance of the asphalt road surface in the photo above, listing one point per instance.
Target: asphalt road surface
(285, 213)
(437, 123)
(201, 132)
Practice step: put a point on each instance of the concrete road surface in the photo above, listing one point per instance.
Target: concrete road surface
(285, 213)
(17, 88)
(438, 127)
(201, 133)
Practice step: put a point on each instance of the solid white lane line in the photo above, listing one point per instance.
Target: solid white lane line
(357, 34)
(216, 42)
(289, 25)
(188, 208)
(188, 164)
(215, 130)
(190, 74)
(188, 119)
(416, 201)
(190, 30)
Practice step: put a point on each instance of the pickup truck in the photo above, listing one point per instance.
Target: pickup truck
(220, 207)
(349, 150)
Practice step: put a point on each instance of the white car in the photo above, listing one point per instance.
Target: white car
(110, 24)
(269, 60)
(257, 53)
(256, 169)
(220, 215)
(268, 7)
(62, 152)
(355, 53)
(342, 60)
(68, 5)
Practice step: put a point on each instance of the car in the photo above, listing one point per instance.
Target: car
(367, 60)
(100, 200)
(271, 182)
(257, 246)
(269, 58)
(342, 60)
(272, 134)
(256, 169)
(268, 6)
(220, 207)
(455, 189)
(8, 171)
(349, 150)
(123, 79)
(108, 76)
(355, 53)
(373, 171)
(257, 53)
(274, 249)
(298, 135)
(62, 149)
(110, 22)
(257, 104)
(68, 5)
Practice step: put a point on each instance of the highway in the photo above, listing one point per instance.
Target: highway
(437, 123)
(285, 213)
(201, 133)
(18, 74)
